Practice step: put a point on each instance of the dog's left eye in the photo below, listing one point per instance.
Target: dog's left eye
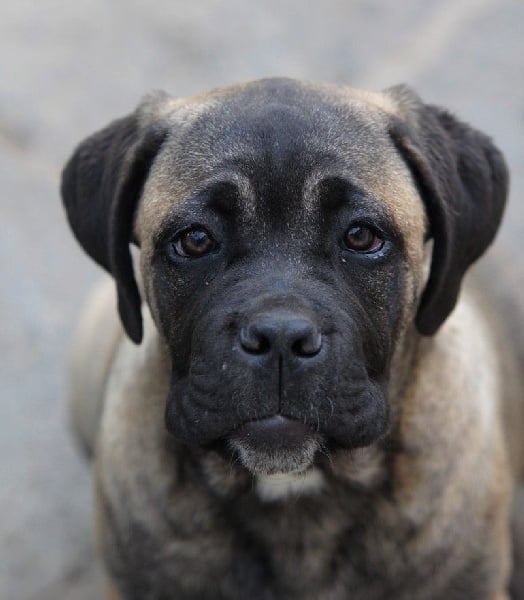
(192, 243)
(361, 238)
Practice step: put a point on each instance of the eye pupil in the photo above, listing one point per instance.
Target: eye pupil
(193, 243)
(196, 239)
(359, 235)
(360, 238)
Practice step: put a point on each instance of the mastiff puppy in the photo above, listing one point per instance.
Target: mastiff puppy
(301, 406)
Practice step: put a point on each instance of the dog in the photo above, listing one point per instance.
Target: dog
(301, 400)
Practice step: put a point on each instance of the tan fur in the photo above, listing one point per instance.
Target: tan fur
(90, 362)
(111, 592)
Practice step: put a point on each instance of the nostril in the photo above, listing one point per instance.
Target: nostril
(253, 341)
(308, 345)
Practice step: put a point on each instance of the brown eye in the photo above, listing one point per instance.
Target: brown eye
(360, 238)
(193, 243)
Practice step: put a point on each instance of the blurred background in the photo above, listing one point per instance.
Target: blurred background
(66, 69)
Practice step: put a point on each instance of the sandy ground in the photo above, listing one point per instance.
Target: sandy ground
(66, 69)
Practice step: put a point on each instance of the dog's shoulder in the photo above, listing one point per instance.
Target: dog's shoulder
(96, 340)
(496, 284)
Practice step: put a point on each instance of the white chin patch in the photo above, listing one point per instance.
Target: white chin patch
(278, 486)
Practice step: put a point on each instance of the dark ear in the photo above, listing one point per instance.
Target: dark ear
(101, 186)
(463, 180)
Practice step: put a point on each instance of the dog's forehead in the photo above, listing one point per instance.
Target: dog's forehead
(280, 124)
(283, 133)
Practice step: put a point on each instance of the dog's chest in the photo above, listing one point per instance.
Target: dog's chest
(326, 545)
(329, 546)
(334, 551)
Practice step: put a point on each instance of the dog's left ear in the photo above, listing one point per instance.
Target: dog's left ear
(101, 186)
(463, 180)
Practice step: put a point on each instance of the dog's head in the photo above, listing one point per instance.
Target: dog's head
(283, 229)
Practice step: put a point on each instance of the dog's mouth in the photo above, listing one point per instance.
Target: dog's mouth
(275, 444)
(266, 433)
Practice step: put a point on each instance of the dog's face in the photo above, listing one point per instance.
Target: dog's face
(280, 255)
(283, 229)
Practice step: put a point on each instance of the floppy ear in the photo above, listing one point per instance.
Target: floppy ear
(463, 180)
(101, 186)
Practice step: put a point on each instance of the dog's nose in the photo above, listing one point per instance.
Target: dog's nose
(283, 333)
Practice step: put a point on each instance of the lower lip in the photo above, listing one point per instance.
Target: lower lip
(272, 432)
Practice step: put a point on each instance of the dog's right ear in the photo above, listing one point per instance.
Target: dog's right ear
(463, 180)
(101, 187)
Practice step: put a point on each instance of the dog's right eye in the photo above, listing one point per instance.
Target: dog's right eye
(363, 239)
(191, 243)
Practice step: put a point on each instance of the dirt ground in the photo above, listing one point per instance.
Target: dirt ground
(67, 68)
